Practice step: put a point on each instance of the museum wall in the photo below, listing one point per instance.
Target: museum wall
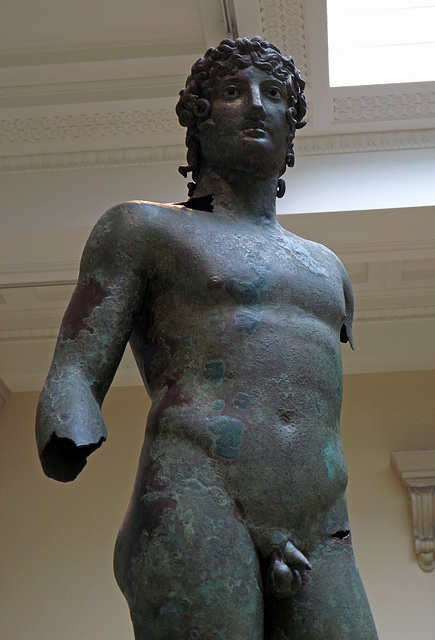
(325, 183)
(57, 540)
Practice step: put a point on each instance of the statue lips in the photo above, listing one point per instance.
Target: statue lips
(254, 129)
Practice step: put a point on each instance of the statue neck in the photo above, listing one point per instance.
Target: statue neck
(253, 199)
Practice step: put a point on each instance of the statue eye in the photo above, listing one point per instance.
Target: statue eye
(275, 92)
(231, 92)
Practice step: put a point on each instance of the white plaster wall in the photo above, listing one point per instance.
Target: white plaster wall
(77, 197)
(360, 181)
(57, 540)
(334, 182)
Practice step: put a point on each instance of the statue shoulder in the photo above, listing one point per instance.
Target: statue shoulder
(133, 214)
(121, 239)
(130, 224)
(328, 258)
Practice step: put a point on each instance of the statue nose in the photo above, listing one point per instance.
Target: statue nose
(255, 101)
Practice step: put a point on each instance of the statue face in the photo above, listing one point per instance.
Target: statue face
(248, 126)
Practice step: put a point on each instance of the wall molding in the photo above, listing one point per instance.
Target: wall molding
(30, 274)
(81, 91)
(372, 250)
(130, 156)
(28, 335)
(134, 156)
(89, 52)
(365, 142)
(283, 24)
(384, 107)
(38, 267)
(394, 314)
(416, 469)
(88, 125)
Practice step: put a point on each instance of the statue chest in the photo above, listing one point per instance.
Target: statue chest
(213, 264)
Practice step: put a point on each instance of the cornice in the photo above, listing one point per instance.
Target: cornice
(283, 24)
(394, 314)
(88, 91)
(40, 273)
(88, 125)
(365, 142)
(38, 267)
(100, 51)
(371, 251)
(305, 146)
(102, 158)
(384, 107)
(28, 335)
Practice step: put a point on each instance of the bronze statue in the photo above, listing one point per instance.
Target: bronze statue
(237, 528)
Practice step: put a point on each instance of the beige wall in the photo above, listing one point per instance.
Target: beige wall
(384, 413)
(56, 540)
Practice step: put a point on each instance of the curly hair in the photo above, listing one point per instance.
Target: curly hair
(194, 106)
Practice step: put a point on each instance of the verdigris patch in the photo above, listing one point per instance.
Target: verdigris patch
(214, 372)
(218, 405)
(229, 433)
(241, 401)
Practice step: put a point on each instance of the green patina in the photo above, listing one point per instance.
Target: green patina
(242, 401)
(214, 372)
(331, 461)
(229, 436)
(218, 405)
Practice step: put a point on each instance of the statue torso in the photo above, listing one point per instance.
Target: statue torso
(238, 343)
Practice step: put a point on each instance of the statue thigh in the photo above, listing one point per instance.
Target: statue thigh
(194, 573)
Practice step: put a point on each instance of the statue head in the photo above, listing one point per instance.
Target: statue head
(194, 106)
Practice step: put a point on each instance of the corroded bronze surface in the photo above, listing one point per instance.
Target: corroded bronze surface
(237, 528)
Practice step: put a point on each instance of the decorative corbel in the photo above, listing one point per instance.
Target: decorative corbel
(417, 471)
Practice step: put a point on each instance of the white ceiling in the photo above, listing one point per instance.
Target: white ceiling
(87, 94)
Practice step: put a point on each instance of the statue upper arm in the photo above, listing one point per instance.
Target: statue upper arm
(91, 342)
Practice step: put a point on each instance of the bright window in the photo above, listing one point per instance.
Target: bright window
(381, 41)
